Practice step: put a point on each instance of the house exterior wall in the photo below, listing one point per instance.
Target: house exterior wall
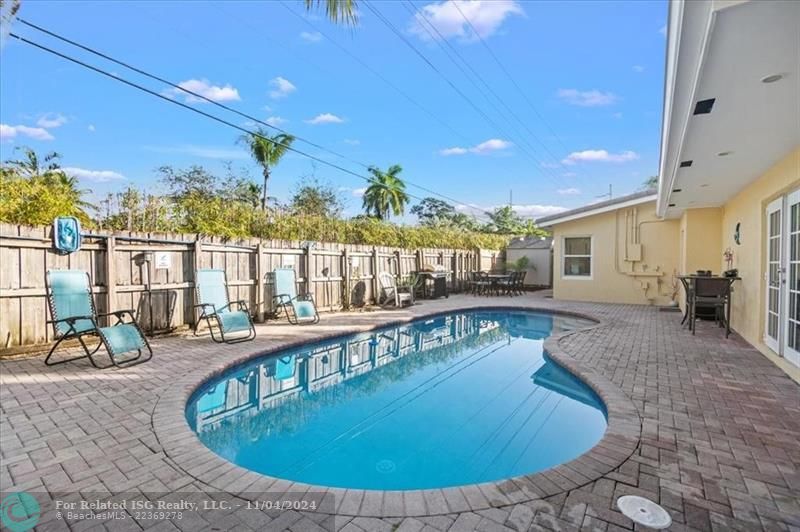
(747, 208)
(615, 236)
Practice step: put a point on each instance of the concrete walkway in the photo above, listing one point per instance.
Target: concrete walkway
(717, 435)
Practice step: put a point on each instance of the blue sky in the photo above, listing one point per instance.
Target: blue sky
(593, 72)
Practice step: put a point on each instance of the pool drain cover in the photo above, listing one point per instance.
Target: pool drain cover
(385, 466)
(644, 511)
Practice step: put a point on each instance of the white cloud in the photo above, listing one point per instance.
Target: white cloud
(526, 211)
(485, 147)
(325, 118)
(204, 88)
(485, 16)
(617, 115)
(569, 191)
(280, 88)
(8, 132)
(98, 176)
(51, 120)
(663, 30)
(312, 36)
(91, 128)
(569, 174)
(638, 68)
(352, 142)
(359, 192)
(205, 152)
(275, 121)
(592, 98)
(453, 151)
(600, 156)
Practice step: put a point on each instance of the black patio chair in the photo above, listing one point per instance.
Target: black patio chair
(710, 293)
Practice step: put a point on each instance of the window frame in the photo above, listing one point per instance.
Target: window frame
(564, 257)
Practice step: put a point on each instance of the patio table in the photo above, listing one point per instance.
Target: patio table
(688, 287)
(496, 278)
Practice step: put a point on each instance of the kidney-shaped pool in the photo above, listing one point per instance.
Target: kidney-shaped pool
(456, 399)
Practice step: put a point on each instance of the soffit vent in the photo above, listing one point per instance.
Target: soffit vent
(686, 164)
(703, 107)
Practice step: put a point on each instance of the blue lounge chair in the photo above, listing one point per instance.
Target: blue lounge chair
(69, 294)
(298, 309)
(218, 312)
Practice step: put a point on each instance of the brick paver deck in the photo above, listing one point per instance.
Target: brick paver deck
(707, 427)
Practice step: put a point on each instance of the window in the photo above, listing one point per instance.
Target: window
(578, 256)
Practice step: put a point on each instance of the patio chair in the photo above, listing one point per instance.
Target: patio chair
(218, 311)
(480, 283)
(69, 295)
(299, 309)
(713, 293)
(519, 283)
(390, 294)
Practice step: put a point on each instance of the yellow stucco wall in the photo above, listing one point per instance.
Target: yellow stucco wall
(614, 237)
(747, 208)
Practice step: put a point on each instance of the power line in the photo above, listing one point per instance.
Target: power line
(509, 76)
(375, 72)
(198, 111)
(452, 85)
(218, 104)
(420, 16)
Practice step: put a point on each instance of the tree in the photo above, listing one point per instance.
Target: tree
(267, 152)
(35, 190)
(313, 198)
(31, 165)
(433, 212)
(650, 182)
(386, 194)
(337, 10)
(505, 221)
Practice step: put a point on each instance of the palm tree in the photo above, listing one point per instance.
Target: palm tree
(387, 193)
(267, 152)
(337, 10)
(31, 165)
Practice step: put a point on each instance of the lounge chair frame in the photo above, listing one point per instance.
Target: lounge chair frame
(210, 314)
(74, 334)
(286, 301)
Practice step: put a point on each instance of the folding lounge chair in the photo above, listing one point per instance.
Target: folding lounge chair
(390, 294)
(69, 296)
(217, 310)
(298, 309)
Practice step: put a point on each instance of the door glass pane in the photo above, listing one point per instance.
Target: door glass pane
(577, 246)
(795, 217)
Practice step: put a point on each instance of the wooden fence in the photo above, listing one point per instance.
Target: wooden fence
(153, 273)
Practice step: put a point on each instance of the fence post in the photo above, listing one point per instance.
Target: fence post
(375, 275)
(111, 277)
(345, 280)
(399, 263)
(419, 260)
(308, 259)
(198, 249)
(454, 269)
(261, 303)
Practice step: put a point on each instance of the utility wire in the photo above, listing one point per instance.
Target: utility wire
(421, 17)
(510, 77)
(375, 72)
(457, 60)
(452, 85)
(198, 111)
(218, 104)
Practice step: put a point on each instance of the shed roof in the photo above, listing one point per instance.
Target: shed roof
(530, 242)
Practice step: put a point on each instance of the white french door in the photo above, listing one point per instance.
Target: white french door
(782, 320)
(791, 344)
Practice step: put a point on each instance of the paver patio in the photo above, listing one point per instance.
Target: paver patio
(718, 433)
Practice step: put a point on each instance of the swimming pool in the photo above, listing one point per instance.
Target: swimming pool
(455, 399)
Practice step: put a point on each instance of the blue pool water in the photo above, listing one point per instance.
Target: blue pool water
(457, 399)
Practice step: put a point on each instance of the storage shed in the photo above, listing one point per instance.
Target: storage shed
(540, 255)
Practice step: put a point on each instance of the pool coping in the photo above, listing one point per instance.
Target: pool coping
(620, 440)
